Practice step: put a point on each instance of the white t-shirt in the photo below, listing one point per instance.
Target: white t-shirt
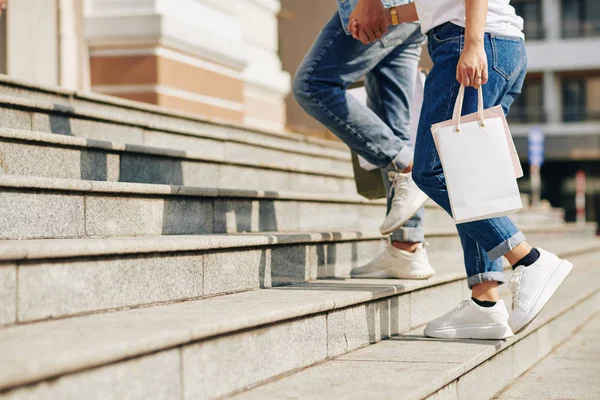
(501, 19)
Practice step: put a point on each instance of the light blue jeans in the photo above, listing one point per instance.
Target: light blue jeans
(484, 242)
(378, 131)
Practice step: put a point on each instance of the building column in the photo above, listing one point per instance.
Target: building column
(552, 97)
(551, 16)
(207, 57)
(32, 41)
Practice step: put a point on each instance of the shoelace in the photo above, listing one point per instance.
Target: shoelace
(400, 184)
(460, 306)
(514, 284)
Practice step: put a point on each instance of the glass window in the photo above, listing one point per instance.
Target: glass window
(528, 107)
(531, 11)
(574, 96)
(580, 18)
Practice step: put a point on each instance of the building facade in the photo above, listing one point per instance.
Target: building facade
(210, 57)
(561, 96)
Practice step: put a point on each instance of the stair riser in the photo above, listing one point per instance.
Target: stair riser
(66, 287)
(26, 214)
(287, 154)
(491, 377)
(119, 111)
(61, 288)
(33, 159)
(217, 367)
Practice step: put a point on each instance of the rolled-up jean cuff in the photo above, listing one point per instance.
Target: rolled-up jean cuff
(411, 235)
(485, 277)
(404, 158)
(506, 246)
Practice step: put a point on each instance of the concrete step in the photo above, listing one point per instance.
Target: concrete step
(65, 100)
(125, 125)
(43, 279)
(37, 207)
(33, 207)
(420, 367)
(571, 371)
(61, 278)
(68, 157)
(214, 347)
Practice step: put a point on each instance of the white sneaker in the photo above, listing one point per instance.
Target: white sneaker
(396, 263)
(533, 286)
(407, 200)
(471, 321)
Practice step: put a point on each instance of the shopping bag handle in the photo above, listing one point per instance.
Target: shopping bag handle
(459, 103)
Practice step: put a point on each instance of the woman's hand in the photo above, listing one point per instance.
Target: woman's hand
(472, 68)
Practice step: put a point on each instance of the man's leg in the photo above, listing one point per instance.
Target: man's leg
(334, 62)
(390, 87)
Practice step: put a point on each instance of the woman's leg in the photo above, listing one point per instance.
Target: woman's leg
(492, 237)
(536, 276)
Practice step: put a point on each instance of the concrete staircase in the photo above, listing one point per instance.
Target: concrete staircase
(156, 255)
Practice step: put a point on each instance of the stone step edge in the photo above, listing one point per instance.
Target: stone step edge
(126, 104)
(39, 249)
(40, 106)
(16, 182)
(439, 385)
(157, 341)
(64, 141)
(178, 336)
(591, 300)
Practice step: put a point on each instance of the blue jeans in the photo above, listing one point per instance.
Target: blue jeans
(378, 131)
(484, 242)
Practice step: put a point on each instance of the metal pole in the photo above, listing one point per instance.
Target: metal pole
(536, 186)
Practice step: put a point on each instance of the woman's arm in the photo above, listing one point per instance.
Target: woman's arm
(406, 13)
(472, 69)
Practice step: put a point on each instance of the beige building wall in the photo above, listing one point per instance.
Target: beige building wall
(32, 41)
(299, 24)
(210, 57)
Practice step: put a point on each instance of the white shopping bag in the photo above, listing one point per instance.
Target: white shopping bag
(480, 162)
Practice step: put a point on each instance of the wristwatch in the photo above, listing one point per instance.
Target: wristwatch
(394, 15)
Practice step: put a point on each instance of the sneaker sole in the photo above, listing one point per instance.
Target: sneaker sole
(420, 201)
(483, 332)
(390, 273)
(554, 281)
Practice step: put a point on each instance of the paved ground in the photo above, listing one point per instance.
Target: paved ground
(571, 372)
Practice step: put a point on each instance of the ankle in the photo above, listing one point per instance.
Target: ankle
(409, 247)
(486, 291)
(516, 254)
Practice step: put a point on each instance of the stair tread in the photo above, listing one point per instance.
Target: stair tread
(285, 141)
(414, 365)
(14, 250)
(66, 95)
(149, 189)
(570, 372)
(51, 139)
(28, 353)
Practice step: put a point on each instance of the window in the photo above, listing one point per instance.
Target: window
(528, 107)
(531, 11)
(574, 104)
(580, 18)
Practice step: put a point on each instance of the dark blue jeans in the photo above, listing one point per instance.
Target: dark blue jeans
(484, 242)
